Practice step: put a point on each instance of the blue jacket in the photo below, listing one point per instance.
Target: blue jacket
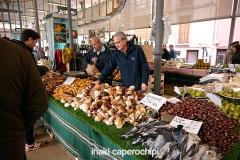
(133, 67)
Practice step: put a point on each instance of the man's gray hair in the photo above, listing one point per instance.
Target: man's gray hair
(120, 34)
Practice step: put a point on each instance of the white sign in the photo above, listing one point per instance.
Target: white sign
(69, 80)
(218, 87)
(154, 101)
(190, 126)
(173, 100)
(215, 99)
(176, 89)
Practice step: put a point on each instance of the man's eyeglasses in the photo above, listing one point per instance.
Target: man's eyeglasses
(118, 42)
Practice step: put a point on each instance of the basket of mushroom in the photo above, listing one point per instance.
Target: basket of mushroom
(111, 105)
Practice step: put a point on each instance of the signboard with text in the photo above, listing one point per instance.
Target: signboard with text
(190, 126)
(154, 101)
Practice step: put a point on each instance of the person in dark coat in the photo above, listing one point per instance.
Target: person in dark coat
(236, 54)
(166, 52)
(131, 61)
(28, 41)
(23, 99)
(29, 38)
(100, 55)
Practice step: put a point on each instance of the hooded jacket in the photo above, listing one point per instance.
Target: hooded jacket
(41, 69)
(133, 67)
(23, 99)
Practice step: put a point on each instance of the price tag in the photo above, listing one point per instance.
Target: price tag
(190, 126)
(178, 65)
(154, 101)
(69, 80)
(218, 87)
(176, 89)
(215, 99)
(173, 100)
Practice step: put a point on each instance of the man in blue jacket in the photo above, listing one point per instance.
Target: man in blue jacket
(131, 61)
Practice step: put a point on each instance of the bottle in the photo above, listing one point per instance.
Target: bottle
(140, 42)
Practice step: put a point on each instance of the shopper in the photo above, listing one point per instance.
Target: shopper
(166, 52)
(23, 99)
(131, 61)
(236, 54)
(100, 55)
(173, 53)
(29, 38)
(229, 54)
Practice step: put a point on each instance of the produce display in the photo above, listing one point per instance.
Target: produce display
(217, 129)
(116, 75)
(230, 93)
(119, 105)
(166, 142)
(112, 105)
(198, 93)
(77, 86)
(231, 110)
(51, 80)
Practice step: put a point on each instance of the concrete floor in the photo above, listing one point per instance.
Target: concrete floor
(53, 151)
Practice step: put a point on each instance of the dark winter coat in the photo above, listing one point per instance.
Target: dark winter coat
(41, 69)
(165, 54)
(133, 67)
(236, 58)
(102, 59)
(23, 99)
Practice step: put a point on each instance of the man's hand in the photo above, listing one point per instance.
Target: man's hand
(94, 60)
(144, 86)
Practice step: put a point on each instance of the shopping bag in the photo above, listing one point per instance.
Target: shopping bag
(92, 70)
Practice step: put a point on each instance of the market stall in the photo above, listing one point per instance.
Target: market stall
(99, 117)
(82, 136)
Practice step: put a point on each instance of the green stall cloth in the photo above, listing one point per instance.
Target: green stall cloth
(87, 139)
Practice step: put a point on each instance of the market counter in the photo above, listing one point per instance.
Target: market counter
(180, 77)
(83, 137)
(195, 72)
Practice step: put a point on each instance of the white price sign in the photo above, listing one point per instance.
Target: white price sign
(69, 80)
(218, 87)
(215, 99)
(176, 89)
(154, 101)
(173, 100)
(190, 126)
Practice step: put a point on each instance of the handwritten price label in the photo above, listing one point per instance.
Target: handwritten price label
(190, 126)
(69, 80)
(154, 101)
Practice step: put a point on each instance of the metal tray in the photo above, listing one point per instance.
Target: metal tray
(231, 99)
(194, 89)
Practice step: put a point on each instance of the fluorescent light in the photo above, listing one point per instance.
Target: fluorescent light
(30, 9)
(28, 16)
(57, 4)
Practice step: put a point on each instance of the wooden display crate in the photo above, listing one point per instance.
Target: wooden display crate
(151, 83)
(169, 89)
